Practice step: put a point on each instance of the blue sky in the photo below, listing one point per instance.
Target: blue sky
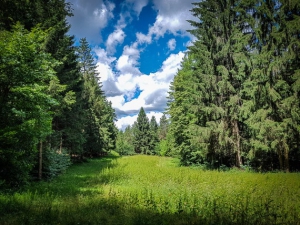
(138, 47)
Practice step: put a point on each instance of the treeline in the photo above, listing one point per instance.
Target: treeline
(235, 101)
(144, 136)
(52, 108)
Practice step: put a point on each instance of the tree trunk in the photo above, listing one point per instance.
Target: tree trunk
(280, 159)
(60, 144)
(238, 144)
(40, 160)
(286, 158)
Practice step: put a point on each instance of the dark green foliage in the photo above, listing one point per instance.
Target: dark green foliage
(153, 131)
(236, 99)
(272, 89)
(163, 127)
(54, 162)
(92, 101)
(142, 133)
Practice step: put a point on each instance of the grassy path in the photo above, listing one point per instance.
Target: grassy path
(153, 190)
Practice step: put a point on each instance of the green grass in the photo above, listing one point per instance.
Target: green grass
(154, 190)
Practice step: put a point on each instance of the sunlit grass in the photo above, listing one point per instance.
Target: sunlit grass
(155, 190)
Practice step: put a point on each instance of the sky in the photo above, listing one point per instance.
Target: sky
(138, 46)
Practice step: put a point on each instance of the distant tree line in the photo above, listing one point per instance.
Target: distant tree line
(52, 107)
(144, 136)
(235, 101)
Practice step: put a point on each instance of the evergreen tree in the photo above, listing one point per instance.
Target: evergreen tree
(236, 97)
(163, 127)
(99, 116)
(272, 89)
(92, 100)
(153, 131)
(141, 133)
(208, 88)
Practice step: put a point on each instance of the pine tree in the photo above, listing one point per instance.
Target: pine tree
(99, 116)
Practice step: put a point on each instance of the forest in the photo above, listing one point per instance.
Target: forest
(234, 102)
(53, 110)
(225, 151)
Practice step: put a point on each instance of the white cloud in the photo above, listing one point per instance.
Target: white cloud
(154, 88)
(169, 19)
(124, 122)
(142, 38)
(172, 44)
(115, 38)
(128, 61)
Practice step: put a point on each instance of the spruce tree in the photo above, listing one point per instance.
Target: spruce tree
(163, 127)
(91, 95)
(207, 89)
(272, 89)
(141, 133)
(153, 131)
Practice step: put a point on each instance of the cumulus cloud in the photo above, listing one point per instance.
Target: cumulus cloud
(128, 61)
(91, 17)
(154, 90)
(142, 38)
(115, 38)
(172, 44)
(171, 18)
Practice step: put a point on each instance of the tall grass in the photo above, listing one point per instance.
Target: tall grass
(154, 190)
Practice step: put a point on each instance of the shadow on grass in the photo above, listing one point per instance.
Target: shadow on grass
(112, 211)
(98, 211)
(80, 179)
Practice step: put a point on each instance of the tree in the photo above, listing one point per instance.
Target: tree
(163, 127)
(92, 100)
(272, 89)
(26, 72)
(153, 131)
(235, 100)
(98, 117)
(207, 90)
(141, 133)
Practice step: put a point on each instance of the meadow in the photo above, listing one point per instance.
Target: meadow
(154, 190)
